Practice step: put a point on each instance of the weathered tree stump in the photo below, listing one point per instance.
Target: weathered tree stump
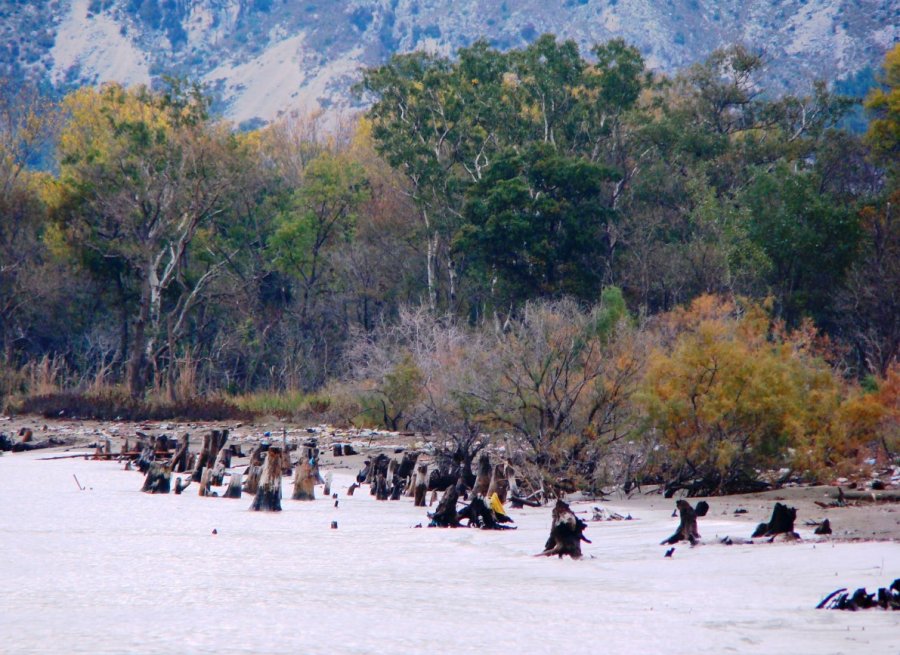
(483, 478)
(204, 489)
(223, 462)
(782, 522)
(446, 516)
(251, 483)
(268, 495)
(687, 527)
(421, 484)
(481, 516)
(180, 458)
(825, 528)
(158, 479)
(180, 486)
(212, 443)
(566, 533)
(234, 486)
(499, 483)
(328, 478)
(145, 459)
(304, 481)
(381, 490)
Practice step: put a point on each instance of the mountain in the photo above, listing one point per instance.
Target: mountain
(266, 57)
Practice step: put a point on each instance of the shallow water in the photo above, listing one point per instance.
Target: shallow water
(112, 570)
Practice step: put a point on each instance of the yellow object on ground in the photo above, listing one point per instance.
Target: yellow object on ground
(496, 505)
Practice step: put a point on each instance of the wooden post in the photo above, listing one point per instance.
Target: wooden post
(566, 533)
(268, 496)
(687, 526)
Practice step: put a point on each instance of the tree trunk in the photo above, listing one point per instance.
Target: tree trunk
(687, 527)
(268, 495)
(135, 372)
(566, 533)
(180, 458)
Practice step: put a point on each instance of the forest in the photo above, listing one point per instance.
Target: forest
(618, 275)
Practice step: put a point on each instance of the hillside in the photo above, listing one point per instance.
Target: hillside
(265, 57)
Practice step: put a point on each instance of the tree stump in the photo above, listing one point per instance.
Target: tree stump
(180, 458)
(158, 479)
(268, 495)
(499, 483)
(328, 478)
(204, 482)
(304, 481)
(223, 462)
(566, 533)
(782, 522)
(234, 486)
(446, 516)
(421, 484)
(481, 516)
(381, 490)
(212, 443)
(251, 483)
(687, 527)
(180, 486)
(483, 478)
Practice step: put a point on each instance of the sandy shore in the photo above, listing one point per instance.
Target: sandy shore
(877, 520)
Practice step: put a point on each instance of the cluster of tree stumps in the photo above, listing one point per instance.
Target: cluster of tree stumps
(886, 598)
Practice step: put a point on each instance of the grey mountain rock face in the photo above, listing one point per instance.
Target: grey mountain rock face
(266, 57)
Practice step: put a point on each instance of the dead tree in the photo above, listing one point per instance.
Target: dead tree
(234, 486)
(421, 484)
(304, 481)
(687, 526)
(566, 533)
(483, 478)
(268, 495)
(499, 483)
(180, 458)
(446, 516)
(158, 479)
(782, 522)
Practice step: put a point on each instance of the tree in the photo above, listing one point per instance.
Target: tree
(883, 104)
(142, 174)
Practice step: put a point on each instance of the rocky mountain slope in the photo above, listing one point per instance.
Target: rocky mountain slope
(265, 57)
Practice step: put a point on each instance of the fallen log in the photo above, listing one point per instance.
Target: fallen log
(687, 526)
(268, 495)
(566, 533)
(782, 522)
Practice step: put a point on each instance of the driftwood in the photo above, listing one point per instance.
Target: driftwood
(158, 479)
(234, 486)
(421, 484)
(268, 495)
(782, 522)
(566, 533)
(304, 481)
(687, 527)
(887, 598)
(446, 516)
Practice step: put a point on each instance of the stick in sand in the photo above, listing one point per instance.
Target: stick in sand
(77, 482)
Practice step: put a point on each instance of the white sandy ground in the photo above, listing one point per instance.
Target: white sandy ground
(112, 570)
